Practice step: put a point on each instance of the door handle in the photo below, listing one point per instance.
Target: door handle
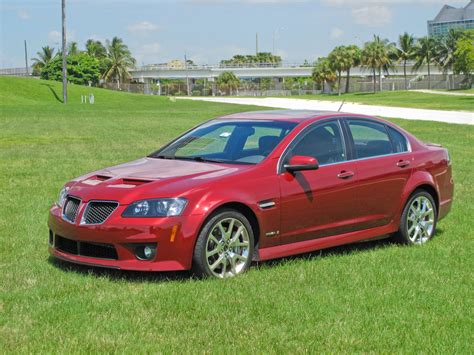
(345, 174)
(403, 163)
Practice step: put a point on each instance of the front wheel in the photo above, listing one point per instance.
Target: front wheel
(418, 222)
(225, 245)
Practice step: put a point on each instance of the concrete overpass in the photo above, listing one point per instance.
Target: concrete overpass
(150, 73)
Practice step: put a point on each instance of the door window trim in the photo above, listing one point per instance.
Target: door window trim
(305, 130)
(351, 139)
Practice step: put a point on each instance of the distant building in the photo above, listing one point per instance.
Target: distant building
(451, 17)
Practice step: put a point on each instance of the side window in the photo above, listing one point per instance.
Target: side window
(399, 142)
(370, 138)
(323, 142)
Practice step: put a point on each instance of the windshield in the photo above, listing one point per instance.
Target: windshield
(235, 142)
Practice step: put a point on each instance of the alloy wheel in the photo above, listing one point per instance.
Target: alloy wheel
(227, 248)
(420, 220)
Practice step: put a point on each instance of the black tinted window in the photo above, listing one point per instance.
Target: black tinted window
(399, 142)
(323, 142)
(370, 138)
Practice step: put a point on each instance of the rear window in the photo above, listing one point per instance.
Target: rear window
(399, 141)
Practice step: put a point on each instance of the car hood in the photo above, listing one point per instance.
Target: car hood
(149, 178)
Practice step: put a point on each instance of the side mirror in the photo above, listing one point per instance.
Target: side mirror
(300, 163)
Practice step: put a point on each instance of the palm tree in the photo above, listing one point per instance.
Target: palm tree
(228, 82)
(339, 62)
(446, 49)
(425, 53)
(377, 55)
(119, 60)
(72, 49)
(353, 57)
(404, 52)
(95, 49)
(323, 73)
(42, 59)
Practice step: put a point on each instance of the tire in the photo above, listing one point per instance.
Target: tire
(418, 221)
(221, 252)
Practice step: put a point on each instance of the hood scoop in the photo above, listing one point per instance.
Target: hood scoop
(96, 180)
(128, 183)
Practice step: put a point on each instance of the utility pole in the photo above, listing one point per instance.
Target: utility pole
(187, 76)
(64, 54)
(26, 59)
(256, 43)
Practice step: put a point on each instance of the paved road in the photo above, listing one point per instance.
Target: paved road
(460, 117)
(449, 93)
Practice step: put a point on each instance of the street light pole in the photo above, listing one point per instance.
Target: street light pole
(187, 74)
(26, 59)
(64, 54)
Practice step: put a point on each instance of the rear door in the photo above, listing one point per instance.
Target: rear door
(384, 167)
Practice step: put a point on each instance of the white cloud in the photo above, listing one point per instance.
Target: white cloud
(54, 36)
(336, 33)
(373, 16)
(24, 15)
(142, 28)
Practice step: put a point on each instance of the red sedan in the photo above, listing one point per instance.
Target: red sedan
(254, 186)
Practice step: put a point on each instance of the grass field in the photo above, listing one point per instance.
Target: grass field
(402, 99)
(372, 297)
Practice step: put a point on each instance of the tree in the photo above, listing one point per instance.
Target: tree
(323, 73)
(42, 59)
(240, 60)
(353, 57)
(405, 52)
(464, 55)
(377, 55)
(95, 49)
(339, 61)
(119, 60)
(228, 82)
(82, 69)
(446, 49)
(72, 49)
(425, 53)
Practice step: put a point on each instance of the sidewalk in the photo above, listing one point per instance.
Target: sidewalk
(449, 93)
(460, 117)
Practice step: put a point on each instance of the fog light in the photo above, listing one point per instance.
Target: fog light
(145, 251)
(148, 252)
(51, 238)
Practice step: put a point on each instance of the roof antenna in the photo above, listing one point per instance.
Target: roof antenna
(342, 104)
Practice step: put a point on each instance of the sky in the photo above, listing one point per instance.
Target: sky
(158, 31)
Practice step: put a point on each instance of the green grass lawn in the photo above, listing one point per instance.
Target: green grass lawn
(371, 297)
(402, 99)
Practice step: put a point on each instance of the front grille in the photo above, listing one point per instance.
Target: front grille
(92, 250)
(98, 211)
(70, 209)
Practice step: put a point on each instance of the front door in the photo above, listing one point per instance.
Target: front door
(323, 202)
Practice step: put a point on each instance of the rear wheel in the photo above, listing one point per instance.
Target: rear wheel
(418, 222)
(225, 245)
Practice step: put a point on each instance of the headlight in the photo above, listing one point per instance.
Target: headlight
(164, 207)
(62, 196)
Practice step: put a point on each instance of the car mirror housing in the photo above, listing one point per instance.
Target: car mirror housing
(301, 163)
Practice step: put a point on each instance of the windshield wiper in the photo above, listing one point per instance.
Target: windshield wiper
(202, 159)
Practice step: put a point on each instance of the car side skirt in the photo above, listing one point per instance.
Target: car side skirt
(306, 246)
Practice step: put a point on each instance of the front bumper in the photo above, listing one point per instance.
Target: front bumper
(174, 250)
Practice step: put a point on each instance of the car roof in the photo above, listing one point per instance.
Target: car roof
(283, 115)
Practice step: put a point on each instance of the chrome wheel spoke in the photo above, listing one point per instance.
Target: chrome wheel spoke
(217, 262)
(211, 253)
